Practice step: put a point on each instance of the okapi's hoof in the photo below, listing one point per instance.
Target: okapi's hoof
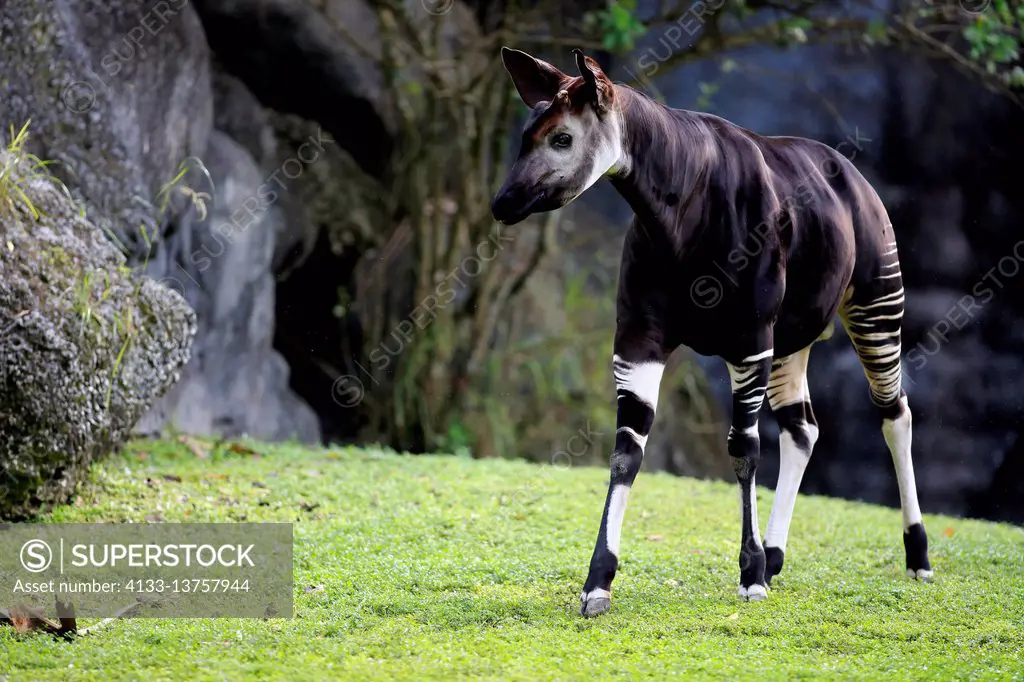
(915, 541)
(774, 558)
(754, 592)
(922, 574)
(595, 604)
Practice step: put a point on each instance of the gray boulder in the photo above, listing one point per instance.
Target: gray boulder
(86, 345)
(221, 263)
(118, 92)
(120, 95)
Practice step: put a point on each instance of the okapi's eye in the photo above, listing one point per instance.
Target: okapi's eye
(561, 141)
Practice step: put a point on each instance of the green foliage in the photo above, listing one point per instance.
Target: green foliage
(544, 386)
(438, 568)
(617, 25)
(707, 91)
(458, 440)
(793, 31)
(995, 38)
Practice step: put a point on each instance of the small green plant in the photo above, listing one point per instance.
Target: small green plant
(125, 327)
(20, 166)
(617, 25)
(198, 199)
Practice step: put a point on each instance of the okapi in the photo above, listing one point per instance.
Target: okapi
(797, 234)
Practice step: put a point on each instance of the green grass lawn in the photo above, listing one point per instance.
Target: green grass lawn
(411, 568)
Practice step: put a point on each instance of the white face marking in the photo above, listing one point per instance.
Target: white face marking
(596, 150)
(898, 436)
(616, 513)
(608, 150)
(642, 379)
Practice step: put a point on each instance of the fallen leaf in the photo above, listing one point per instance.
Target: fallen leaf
(655, 538)
(673, 582)
(200, 449)
(734, 616)
(240, 449)
(949, 532)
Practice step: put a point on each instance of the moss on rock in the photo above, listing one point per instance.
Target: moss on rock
(86, 347)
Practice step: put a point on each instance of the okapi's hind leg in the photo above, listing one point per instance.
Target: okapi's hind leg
(873, 315)
(790, 401)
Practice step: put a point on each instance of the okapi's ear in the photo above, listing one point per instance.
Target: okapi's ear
(598, 86)
(535, 80)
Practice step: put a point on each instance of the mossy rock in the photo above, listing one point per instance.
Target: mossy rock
(86, 346)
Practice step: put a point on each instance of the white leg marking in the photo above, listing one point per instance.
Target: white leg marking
(788, 386)
(642, 379)
(760, 356)
(788, 381)
(750, 431)
(640, 440)
(616, 513)
(754, 523)
(754, 592)
(741, 376)
(792, 463)
(898, 435)
(894, 298)
(596, 593)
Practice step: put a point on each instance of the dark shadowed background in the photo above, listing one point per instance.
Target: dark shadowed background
(314, 177)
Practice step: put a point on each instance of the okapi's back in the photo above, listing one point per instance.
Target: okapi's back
(831, 196)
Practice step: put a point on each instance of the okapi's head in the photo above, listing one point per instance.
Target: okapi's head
(573, 136)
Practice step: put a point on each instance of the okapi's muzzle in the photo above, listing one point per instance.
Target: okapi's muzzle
(513, 203)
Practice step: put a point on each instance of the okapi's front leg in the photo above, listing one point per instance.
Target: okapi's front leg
(638, 369)
(749, 382)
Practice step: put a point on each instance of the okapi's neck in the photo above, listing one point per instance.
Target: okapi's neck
(667, 159)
